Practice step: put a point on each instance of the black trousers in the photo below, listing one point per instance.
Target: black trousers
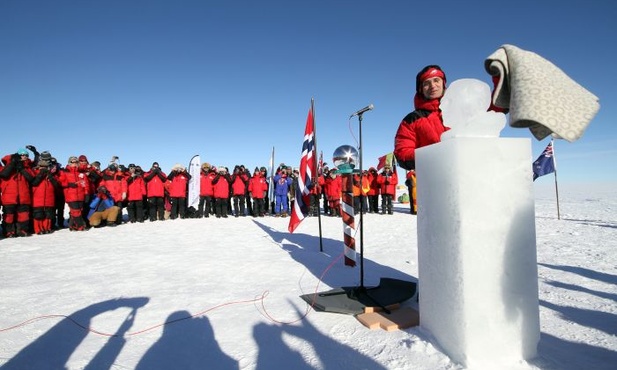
(157, 208)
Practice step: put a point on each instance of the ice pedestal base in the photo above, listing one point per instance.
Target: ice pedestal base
(478, 279)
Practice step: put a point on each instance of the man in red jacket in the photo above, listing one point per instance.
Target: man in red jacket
(424, 125)
(178, 190)
(258, 189)
(15, 179)
(155, 191)
(388, 180)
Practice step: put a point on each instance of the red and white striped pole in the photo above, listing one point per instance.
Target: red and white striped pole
(347, 213)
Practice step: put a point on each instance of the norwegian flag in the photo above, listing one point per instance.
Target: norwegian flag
(545, 163)
(305, 178)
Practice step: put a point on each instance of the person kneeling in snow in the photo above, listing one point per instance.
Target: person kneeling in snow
(103, 208)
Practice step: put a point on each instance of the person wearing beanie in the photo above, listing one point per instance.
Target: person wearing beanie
(44, 187)
(16, 198)
(221, 184)
(239, 186)
(388, 180)
(45, 155)
(74, 193)
(136, 191)
(103, 210)
(57, 221)
(424, 125)
(155, 192)
(115, 182)
(258, 190)
(91, 178)
(282, 183)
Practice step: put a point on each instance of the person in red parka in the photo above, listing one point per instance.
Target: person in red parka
(55, 168)
(44, 187)
(92, 178)
(206, 191)
(239, 184)
(114, 181)
(258, 189)
(74, 193)
(388, 181)
(424, 125)
(178, 190)
(15, 188)
(155, 192)
(221, 184)
(136, 191)
(333, 188)
(373, 192)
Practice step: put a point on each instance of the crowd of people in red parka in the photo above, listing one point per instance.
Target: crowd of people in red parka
(36, 194)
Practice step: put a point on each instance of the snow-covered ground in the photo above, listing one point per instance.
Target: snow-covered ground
(224, 293)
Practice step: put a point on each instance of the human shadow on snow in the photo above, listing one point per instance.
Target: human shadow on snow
(590, 274)
(53, 349)
(325, 352)
(330, 268)
(603, 295)
(560, 354)
(187, 344)
(602, 321)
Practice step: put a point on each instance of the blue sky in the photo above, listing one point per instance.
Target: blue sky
(229, 80)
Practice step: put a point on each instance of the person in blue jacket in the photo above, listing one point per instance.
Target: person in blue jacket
(282, 182)
(102, 208)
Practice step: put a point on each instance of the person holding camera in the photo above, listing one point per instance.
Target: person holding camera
(388, 181)
(155, 192)
(221, 183)
(178, 189)
(258, 190)
(373, 192)
(282, 183)
(114, 181)
(16, 199)
(103, 209)
(206, 191)
(136, 191)
(239, 185)
(44, 187)
(74, 193)
(91, 178)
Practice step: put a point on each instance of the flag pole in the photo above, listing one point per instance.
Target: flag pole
(555, 172)
(314, 179)
(270, 204)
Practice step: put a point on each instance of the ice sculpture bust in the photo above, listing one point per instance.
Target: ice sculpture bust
(464, 109)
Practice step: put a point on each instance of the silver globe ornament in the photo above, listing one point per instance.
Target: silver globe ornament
(345, 158)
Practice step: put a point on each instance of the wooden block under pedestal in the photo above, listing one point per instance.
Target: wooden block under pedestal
(401, 318)
(391, 308)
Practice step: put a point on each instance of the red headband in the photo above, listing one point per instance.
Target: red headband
(433, 72)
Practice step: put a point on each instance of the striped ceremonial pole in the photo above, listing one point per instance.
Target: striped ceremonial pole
(347, 213)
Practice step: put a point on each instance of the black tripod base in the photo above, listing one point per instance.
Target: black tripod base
(353, 300)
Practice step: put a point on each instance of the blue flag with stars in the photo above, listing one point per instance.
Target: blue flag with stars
(545, 163)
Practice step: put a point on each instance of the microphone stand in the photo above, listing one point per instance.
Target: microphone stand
(361, 205)
(360, 291)
(389, 291)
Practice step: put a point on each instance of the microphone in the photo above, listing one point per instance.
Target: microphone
(365, 109)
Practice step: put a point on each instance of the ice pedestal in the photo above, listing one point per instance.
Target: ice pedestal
(478, 279)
